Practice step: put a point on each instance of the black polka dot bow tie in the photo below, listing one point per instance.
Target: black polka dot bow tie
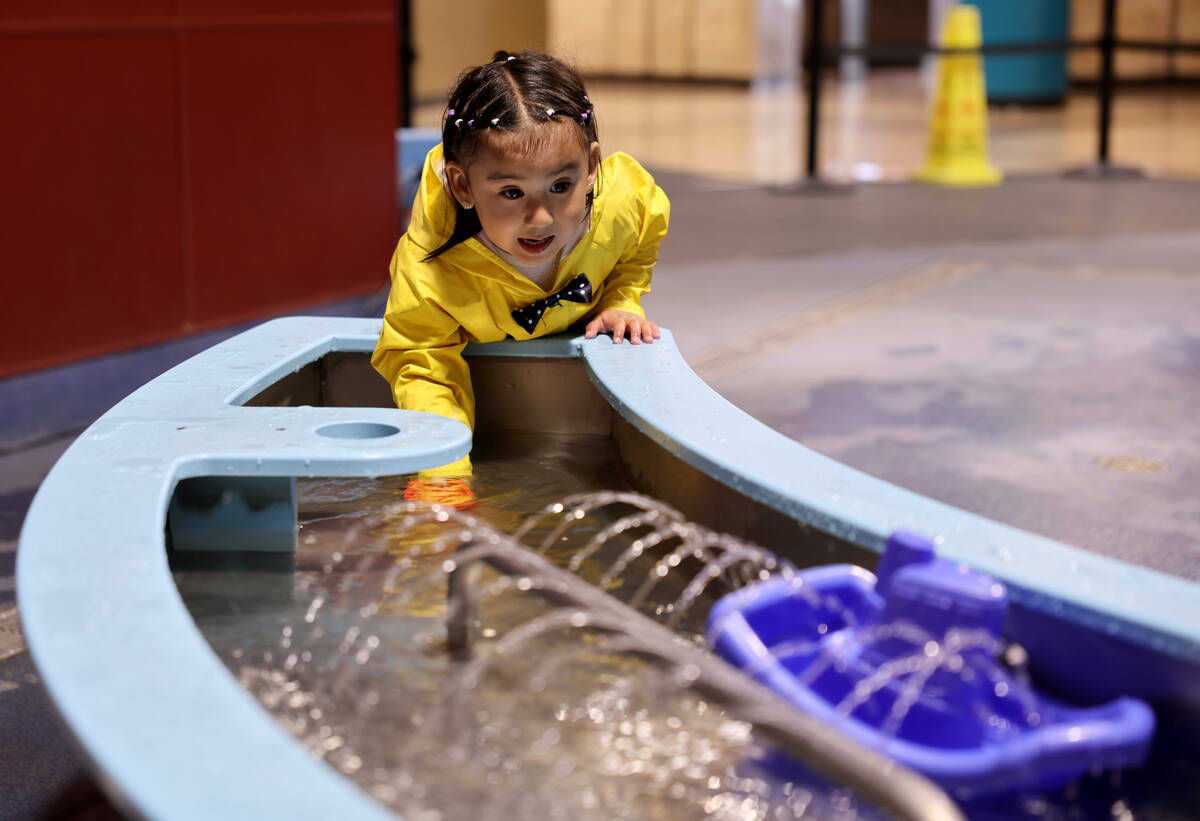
(577, 290)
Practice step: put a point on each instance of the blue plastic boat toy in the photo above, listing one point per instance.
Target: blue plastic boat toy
(908, 664)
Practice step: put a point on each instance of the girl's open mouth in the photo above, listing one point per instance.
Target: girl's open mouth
(535, 246)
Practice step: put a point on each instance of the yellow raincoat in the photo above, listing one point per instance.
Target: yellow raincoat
(468, 293)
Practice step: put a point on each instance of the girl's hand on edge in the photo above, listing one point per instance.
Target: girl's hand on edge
(618, 322)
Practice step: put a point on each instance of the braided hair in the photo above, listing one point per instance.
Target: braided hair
(508, 94)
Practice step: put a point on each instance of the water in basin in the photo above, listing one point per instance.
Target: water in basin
(345, 644)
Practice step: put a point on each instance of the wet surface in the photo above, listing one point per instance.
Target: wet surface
(41, 777)
(345, 645)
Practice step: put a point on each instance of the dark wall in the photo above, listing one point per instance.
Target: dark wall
(171, 166)
(889, 23)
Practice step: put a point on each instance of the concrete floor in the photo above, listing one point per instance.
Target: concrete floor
(1029, 352)
(41, 775)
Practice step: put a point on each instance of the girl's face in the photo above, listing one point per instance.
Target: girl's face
(529, 189)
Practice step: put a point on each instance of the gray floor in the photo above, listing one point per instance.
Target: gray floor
(41, 776)
(1029, 352)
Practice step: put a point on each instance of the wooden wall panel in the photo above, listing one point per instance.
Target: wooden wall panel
(692, 39)
(726, 39)
(1187, 64)
(672, 35)
(1136, 20)
(451, 36)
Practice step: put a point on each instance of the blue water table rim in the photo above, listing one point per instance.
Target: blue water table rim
(170, 729)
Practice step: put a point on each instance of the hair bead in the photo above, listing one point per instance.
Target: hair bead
(451, 112)
(496, 121)
(458, 123)
(549, 112)
(470, 123)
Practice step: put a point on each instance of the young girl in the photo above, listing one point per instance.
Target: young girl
(518, 230)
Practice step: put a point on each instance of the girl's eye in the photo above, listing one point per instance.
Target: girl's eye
(512, 193)
(561, 187)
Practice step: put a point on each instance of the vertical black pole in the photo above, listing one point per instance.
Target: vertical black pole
(404, 62)
(1102, 169)
(1107, 45)
(815, 52)
(816, 59)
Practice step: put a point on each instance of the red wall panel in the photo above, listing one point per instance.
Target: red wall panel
(293, 9)
(286, 123)
(92, 182)
(171, 171)
(50, 15)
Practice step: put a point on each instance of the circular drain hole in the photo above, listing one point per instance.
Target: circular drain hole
(357, 430)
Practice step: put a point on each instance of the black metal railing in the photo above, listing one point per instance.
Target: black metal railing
(1107, 44)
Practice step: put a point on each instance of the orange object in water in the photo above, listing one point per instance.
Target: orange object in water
(452, 492)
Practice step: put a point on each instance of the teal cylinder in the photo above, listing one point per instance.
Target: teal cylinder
(1038, 77)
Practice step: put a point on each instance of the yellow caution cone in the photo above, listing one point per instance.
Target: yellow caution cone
(958, 131)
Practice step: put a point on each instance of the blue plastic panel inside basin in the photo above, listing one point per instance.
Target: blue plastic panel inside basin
(911, 670)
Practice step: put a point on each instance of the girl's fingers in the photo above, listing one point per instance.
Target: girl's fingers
(640, 330)
(618, 331)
